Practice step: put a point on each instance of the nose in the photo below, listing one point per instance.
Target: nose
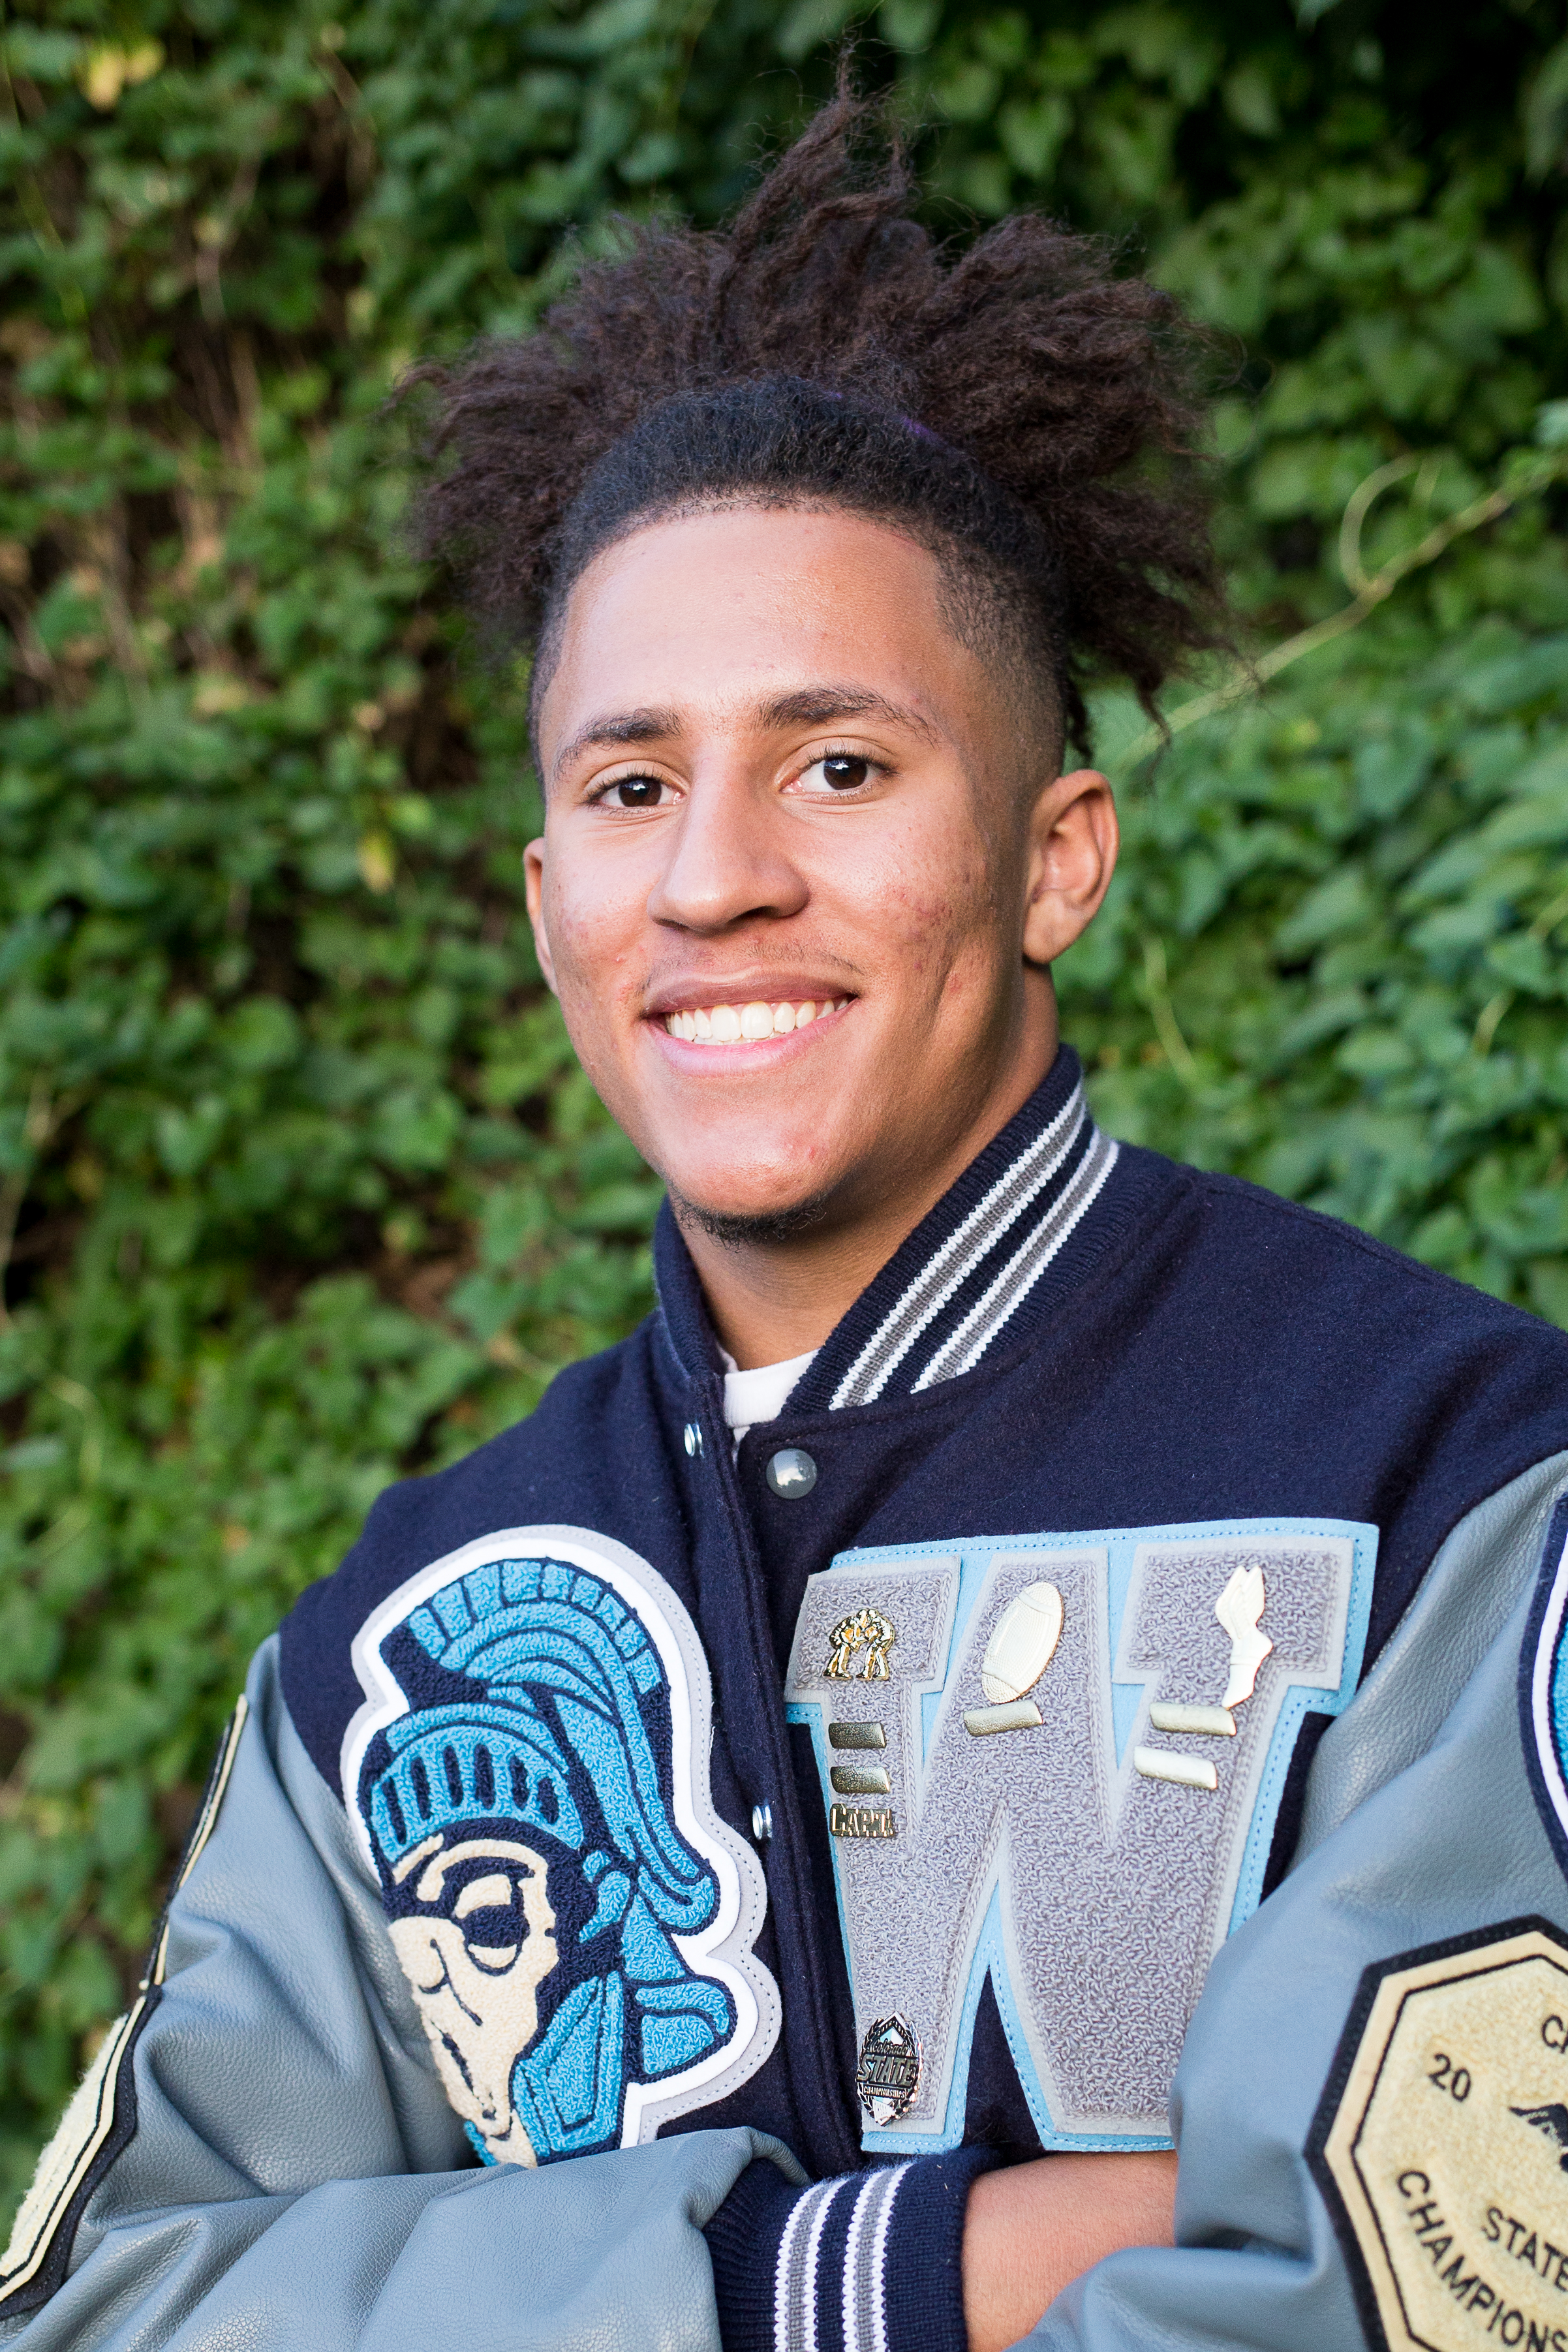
(728, 860)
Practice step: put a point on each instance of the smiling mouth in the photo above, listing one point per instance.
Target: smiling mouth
(742, 1024)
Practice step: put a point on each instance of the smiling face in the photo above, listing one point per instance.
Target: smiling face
(807, 858)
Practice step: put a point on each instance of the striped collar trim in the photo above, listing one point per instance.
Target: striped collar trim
(994, 1248)
(1056, 1177)
(947, 1296)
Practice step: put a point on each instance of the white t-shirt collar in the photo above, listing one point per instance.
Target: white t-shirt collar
(759, 1394)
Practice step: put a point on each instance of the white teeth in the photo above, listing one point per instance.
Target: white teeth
(727, 1024)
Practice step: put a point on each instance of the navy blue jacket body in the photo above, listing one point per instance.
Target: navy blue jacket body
(1198, 1350)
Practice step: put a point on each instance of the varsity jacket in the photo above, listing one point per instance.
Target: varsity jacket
(1119, 1700)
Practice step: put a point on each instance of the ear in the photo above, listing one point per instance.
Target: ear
(534, 882)
(1073, 845)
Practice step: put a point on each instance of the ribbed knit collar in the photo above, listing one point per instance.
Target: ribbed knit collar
(1021, 1225)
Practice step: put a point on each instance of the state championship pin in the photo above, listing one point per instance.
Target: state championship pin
(888, 2075)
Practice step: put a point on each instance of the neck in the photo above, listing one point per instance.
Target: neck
(769, 1300)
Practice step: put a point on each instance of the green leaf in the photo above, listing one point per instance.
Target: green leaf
(1544, 106)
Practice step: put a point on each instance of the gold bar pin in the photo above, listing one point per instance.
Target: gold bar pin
(856, 1735)
(1213, 1722)
(1018, 1715)
(1183, 1771)
(861, 1779)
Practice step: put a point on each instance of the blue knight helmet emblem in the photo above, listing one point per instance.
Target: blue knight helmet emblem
(519, 1812)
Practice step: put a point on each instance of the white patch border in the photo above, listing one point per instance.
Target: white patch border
(722, 1950)
(1541, 1673)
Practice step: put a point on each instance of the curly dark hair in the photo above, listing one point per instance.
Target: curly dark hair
(1027, 414)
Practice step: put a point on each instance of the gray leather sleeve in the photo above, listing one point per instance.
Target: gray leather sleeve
(1419, 1824)
(296, 2178)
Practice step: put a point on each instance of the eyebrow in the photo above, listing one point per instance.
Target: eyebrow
(819, 706)
(808, 706)
(626, 727)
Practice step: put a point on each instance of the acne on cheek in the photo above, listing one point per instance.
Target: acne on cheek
(589, 966)
(940, 880)
(577, 923)
(919, 904)
(941, 931)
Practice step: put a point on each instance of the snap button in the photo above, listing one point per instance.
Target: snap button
(791, 1474)
(762, 1823)
(694, 1438)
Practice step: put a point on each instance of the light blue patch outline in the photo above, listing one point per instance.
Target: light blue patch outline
(974, 1555)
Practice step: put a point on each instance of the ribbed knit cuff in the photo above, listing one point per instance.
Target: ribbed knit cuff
(872, 2262)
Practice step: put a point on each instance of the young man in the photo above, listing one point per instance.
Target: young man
(1020, 1659)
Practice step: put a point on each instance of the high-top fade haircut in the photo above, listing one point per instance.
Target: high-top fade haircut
(1023, 412)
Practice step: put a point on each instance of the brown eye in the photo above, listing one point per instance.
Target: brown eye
(842, 772)
(635, 793)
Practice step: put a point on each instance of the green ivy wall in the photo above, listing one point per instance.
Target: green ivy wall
(298, 1185)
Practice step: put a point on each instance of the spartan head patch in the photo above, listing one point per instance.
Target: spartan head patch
(528, 1775)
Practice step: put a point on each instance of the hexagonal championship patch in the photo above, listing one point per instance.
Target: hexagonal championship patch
(1441, 2143)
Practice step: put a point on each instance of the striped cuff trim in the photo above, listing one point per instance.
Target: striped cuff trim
(842, 2269)
(867, 2262)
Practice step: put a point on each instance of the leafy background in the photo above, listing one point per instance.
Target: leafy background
(299, 1187)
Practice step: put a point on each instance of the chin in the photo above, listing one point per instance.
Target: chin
(759, 1221)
